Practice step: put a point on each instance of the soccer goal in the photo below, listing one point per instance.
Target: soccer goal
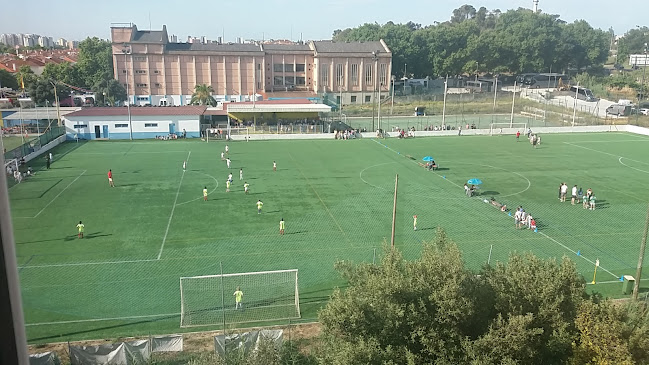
(507, 128)
(11, 166)
(267, 296)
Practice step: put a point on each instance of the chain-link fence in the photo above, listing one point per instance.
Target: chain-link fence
(35, 144)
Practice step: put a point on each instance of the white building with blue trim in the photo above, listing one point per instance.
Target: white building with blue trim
(143, 122)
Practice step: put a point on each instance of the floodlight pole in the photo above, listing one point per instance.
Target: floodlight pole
(392, 105)
(511, 119)
(641, 96)
(444, 107)
(394, 209)
(126, 51)
(574, 109)
(643, 245)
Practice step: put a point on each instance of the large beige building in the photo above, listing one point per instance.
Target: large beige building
(160, 72)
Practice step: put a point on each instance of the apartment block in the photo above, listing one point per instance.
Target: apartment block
(161, 72)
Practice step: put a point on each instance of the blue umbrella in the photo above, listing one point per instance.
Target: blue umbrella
(428, 159)
(474, 181)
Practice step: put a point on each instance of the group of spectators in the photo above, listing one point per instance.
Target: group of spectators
(346, 134)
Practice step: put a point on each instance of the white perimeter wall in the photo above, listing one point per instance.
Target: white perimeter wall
(468, 132)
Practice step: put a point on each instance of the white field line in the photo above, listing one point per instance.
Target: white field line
(101, 319)
(606, 153)
(87, 263)
(543, 234)
(59, 194)
(605, 282)
(173, 208)
(631, 167)
(321, 201)
(200, 197)
(575, 252)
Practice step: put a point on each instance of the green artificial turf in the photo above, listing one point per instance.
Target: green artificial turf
(336, 197)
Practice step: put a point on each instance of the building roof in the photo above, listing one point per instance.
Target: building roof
(140, 111)
(149, 36)
(349, 47)
(278, 106)
(214, 47)
(39, 113)
(286, 47)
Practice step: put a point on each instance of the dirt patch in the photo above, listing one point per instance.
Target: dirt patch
(192, 342)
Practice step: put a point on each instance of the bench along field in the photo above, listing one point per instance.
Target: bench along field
(336, 197)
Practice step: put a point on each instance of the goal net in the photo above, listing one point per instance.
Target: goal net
(507, 128)
(211, 300)
(11, 166)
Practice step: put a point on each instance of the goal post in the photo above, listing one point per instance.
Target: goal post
(507, 128)
(211, 300)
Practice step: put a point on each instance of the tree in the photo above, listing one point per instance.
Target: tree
(109, 92)
(203, 95)
(63, 72)
(95, 61)
(633, 42)
(42, 90)
(25, 76)
(8, 80)
(420, 310)
(463, 13)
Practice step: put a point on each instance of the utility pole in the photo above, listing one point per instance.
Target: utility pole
(444, 107)
(511, 120)
(641, 96)
(127, 51)
(643, 245)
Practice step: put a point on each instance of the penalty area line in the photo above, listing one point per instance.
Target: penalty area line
(101, 319)
(59, 194)
(173, 208)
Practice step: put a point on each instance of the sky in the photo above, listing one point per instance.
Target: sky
(286, 19)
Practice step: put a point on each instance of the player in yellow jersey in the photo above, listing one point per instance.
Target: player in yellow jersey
(246, 187)
(238, 297)
(414, 222)
(227, 186)
(80, 227)
(259, 205)
(281, 226)
(205, 193)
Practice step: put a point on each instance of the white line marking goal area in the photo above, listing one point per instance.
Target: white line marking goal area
(57, 195)
(173, 208)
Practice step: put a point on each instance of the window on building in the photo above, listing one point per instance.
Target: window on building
(383, 73)
(259, 66)
(77, 126)
(354, 72)
(353, 98)
(139, 58)
(150, 125)
(289, 80)
(142, 98)
(123, 71)
(156, 72)
(340, 75)
(141, 72)
(278, 81)
(278, 67)
(338, 99)
(300, 81)
(324, 75)
(368, 98)
(289, 67)
(157, 84)
(141, 85)
(121, 125)
(299, 67)
(368, 74)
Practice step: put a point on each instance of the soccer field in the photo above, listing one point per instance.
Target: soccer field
(336, 197)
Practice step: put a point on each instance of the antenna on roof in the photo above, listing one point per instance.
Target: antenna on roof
(149, 20)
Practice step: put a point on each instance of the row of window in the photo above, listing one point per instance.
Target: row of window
(146, 125)
(143, 72)
(339, 79)
(289, 80)
(289, 67)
